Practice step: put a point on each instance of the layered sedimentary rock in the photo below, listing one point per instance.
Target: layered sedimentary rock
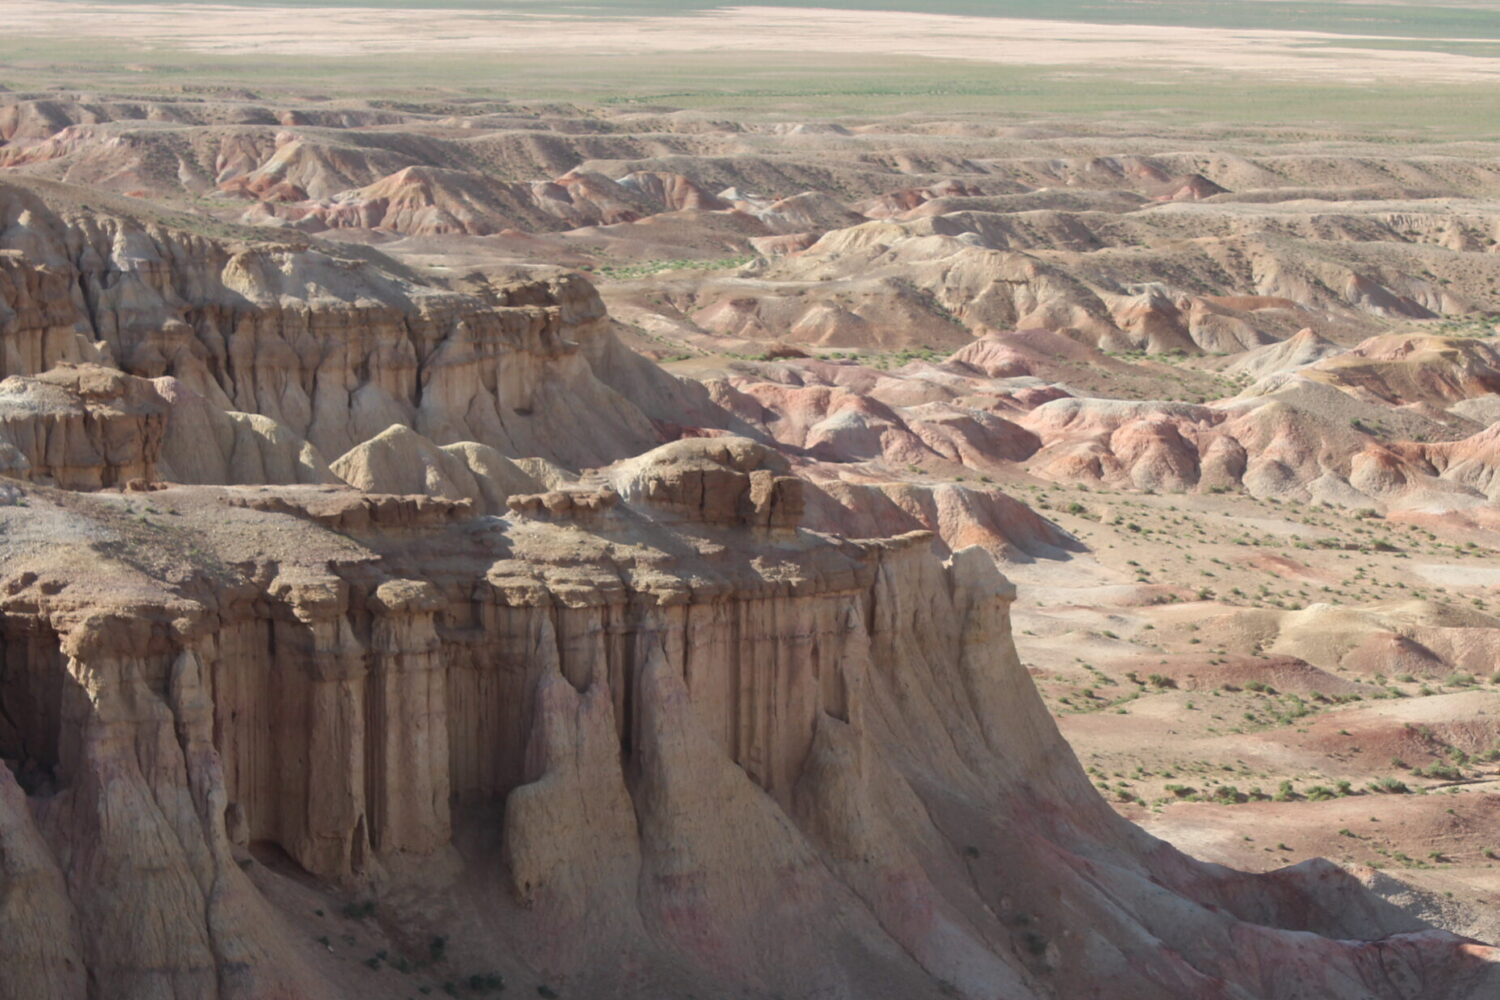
(605, 717)
(740, 740)
(399, 460)
(1353, 427)
(330, 348)
(90, 427)
(81, 427)
(1310, 433)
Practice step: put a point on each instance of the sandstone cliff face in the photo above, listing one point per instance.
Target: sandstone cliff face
(81, 428)
(330, 348)
(635, 732)
(717, 739)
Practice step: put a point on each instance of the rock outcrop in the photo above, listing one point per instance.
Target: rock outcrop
(331, 349)
(600, 714)
(717, 481)
(399, 460)
(81, 428)
(737, 743)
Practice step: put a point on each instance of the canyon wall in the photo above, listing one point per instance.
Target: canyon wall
(330, 347)
(640, 733)
(714, 743)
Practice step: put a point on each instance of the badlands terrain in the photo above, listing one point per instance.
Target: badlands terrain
(678, 542)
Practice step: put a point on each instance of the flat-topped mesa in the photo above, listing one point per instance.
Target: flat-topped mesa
(316, 657)
(716, 481)
(713, 743)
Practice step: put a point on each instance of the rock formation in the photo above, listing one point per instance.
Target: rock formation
(558, 672)
(718, 730)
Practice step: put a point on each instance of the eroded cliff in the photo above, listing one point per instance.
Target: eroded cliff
(634, 731)
(749, 754)
(332, 348)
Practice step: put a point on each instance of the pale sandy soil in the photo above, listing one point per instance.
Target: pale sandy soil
(1086, 628)
(345, 31)
(1450, 575)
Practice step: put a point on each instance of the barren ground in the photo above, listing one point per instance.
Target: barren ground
(1258, 673)
(314, 32)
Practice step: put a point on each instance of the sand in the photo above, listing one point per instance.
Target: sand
(352, 31)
